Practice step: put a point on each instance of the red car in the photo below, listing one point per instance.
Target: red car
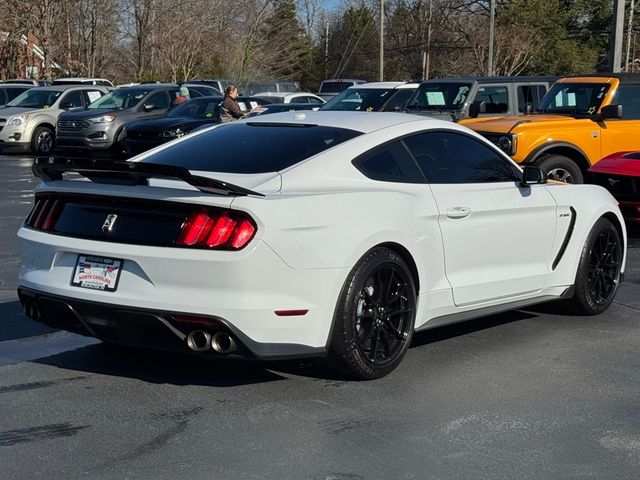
(620, 174)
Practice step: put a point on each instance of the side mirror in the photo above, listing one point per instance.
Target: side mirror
(147, 107)
(476, 108)
(611, 111)
(533, 175)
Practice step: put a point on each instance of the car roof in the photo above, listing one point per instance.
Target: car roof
(62, 88)
(378, 85)
(514, 79)
(364, 122)
(622, 77)
(21, 85)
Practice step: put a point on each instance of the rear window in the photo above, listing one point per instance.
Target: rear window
(334, 87)
(252, 147)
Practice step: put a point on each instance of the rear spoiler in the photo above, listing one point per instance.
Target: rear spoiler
(130, 173)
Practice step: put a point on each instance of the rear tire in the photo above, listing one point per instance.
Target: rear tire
(598, 274)
(42, 141)
(375, 315)
(561, 168)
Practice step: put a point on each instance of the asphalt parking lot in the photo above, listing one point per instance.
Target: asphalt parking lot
(522, 395)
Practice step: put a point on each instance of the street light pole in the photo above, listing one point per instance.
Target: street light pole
(381, 40)
(615, 57)
(492, 21)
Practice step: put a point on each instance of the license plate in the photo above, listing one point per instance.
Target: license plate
(97, 273)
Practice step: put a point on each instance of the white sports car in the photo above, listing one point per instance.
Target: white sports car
(310, 234)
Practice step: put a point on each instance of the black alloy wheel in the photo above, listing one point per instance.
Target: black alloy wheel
(375, 316)
(599, 270)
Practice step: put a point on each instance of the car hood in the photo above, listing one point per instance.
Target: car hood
(86, 113)
(10, 111)
(167, 123)
(506, 124)
(621, 163)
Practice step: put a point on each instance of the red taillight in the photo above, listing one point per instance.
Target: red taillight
(221, 230)
(45, 213)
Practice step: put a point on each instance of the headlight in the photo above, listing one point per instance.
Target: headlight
(104, 119)
(176, 132)
(18, 120)
(507, 143)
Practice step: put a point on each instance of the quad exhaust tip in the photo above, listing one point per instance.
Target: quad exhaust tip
(202, 341)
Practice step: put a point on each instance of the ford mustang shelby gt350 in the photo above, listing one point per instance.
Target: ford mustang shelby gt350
(308, 234)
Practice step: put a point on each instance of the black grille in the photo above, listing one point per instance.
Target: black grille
(72, 125)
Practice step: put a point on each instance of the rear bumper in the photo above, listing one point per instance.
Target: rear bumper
(149, 328)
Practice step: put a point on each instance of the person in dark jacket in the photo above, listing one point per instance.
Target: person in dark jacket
(230, 109)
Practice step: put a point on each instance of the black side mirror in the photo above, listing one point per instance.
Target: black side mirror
(611, 111)
(147, 107)
(476, 108)
(533, 175)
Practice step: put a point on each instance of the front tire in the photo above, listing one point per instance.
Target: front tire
(375, 316)
(562, 169)
(42, 141)
(598, 274)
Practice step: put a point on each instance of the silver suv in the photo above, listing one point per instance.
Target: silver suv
(28, 122)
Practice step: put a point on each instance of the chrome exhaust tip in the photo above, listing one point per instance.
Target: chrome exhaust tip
(199, 340)
(223, 343)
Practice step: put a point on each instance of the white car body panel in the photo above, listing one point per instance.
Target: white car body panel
(316, 220)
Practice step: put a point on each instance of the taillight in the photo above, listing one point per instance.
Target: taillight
(45, 213)
(217, 229)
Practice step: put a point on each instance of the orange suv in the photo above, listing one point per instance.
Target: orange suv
(579, 121)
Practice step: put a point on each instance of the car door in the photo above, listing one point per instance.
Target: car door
(498, 236)
(621, 134)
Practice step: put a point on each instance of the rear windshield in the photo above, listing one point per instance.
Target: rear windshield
(251, 147)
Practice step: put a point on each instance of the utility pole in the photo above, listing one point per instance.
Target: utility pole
(326, 48)
(427, 54)
(617, 30)
(492, 21)
(381, 40)
(629, 35)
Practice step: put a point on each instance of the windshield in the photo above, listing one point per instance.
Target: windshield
(35, 98)
(362, 99)
(121, 98)
(574, 98)
(251, 147)
(439, 96)
(198, 108)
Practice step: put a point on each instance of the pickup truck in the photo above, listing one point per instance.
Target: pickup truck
(581, 120)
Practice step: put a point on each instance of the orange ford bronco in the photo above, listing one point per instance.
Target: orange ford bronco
(579, 121)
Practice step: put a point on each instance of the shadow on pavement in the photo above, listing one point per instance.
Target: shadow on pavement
(14, 324)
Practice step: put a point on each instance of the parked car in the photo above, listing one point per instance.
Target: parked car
(99, 127)
(29, 81)
(227, 240)
(259, 88)
(581, 120)
(458, 98)
(28, 121)
(373, 97)
(268, 108)
(330, 88)
(620, 174)
(201, 90)
(83, 81)
(296, 97)
(141, 135)
(218, 83)
(9, 91)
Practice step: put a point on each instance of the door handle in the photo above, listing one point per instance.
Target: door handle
(458, 212)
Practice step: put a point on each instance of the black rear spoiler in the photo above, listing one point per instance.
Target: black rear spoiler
(130, 173)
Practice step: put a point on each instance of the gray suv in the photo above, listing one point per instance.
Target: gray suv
(99, 127)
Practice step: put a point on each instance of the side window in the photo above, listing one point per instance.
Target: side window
(449, 157)
(629, 97)
(13, 93)
(315, 101)
(159, 100)
(389, 163)
(92, 95)
(530, 94)
(3, 97)
(72, 100)
(496, 98)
